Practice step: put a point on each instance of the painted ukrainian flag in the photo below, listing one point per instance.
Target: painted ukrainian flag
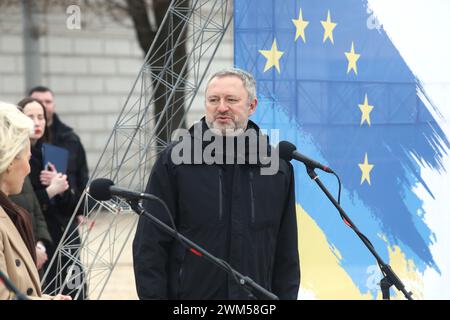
(335, 84)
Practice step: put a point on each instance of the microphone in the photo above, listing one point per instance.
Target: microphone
(103, 189)
(288, 151)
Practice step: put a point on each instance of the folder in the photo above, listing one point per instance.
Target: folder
(58, 156)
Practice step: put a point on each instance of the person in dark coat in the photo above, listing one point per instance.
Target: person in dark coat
(62, 135)
(230, 206)
(58, 196)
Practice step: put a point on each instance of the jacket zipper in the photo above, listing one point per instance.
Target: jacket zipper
(252, 198)
(220, 195)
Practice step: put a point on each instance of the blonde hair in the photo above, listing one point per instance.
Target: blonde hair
(15, 131)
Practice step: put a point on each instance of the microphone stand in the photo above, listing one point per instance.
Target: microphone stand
(11, 287)
(245, 281)
(390, 278)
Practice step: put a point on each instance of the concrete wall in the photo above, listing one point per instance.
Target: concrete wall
(91, 70)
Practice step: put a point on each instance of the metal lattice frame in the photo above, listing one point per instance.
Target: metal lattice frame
(133, 144)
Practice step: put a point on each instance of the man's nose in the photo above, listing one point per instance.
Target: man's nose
(223, 106)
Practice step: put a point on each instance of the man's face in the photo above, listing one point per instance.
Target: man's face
(46, 98)
(227, 105)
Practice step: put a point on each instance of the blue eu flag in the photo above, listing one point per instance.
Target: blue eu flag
(332, 81)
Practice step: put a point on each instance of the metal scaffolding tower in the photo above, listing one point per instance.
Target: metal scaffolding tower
(135, 140)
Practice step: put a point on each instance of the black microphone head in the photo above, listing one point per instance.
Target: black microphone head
(285, 150)
(99, 189)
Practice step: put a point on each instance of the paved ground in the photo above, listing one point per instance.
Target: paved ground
(121, 284)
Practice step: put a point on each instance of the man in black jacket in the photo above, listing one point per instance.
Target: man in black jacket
(59, 212)
(221, 198)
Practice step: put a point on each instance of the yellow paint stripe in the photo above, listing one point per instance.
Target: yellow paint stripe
(406, 270)
(321, 272)
(324, 278)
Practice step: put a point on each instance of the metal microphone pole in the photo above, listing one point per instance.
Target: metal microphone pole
(244, 281)
(11, 287)
(390, 278)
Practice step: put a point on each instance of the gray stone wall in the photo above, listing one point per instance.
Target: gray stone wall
(91, 70)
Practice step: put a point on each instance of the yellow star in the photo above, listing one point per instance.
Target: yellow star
(365, 111)
(365, 169)
(300, 26)
(328, 27)
(273, 57)
(352, 57)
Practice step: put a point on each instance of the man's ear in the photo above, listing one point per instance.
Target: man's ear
(252, 107)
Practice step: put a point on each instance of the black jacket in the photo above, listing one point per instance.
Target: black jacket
(77, 167)
(231, 210)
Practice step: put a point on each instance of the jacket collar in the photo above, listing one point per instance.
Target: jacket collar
(252, 139)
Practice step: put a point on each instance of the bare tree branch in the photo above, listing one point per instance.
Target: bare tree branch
(144, 33)
(140, 12)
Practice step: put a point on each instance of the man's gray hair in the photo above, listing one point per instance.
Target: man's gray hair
(247, 79)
